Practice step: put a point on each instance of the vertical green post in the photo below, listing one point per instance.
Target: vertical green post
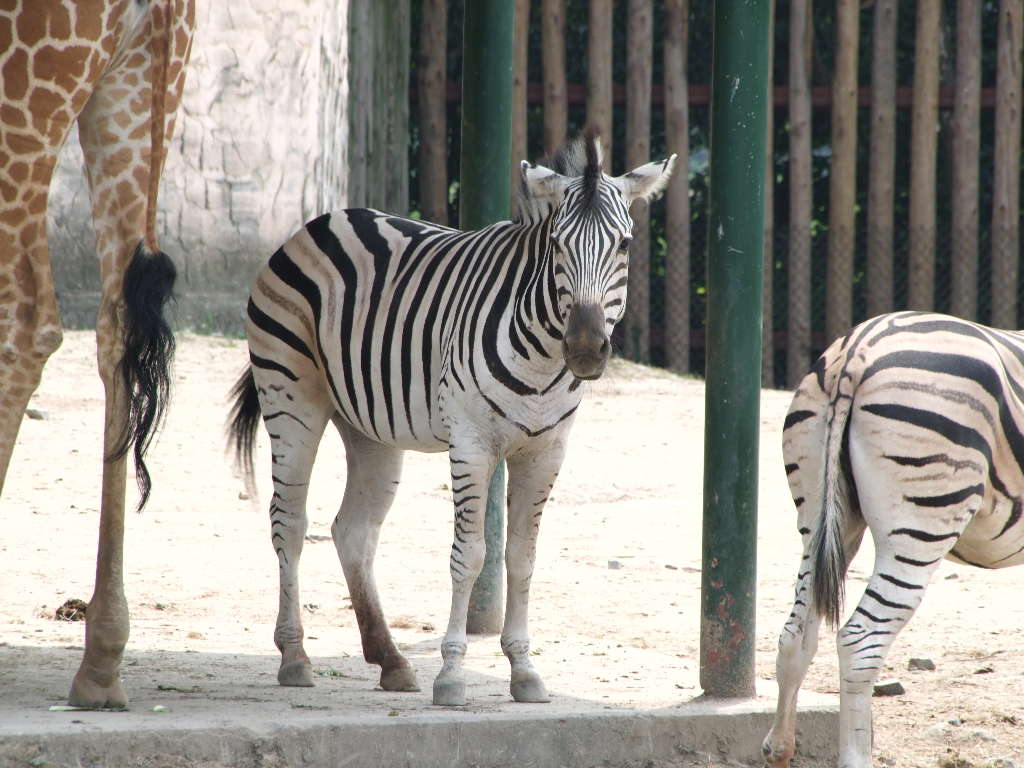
(484, 199)
(733, 374)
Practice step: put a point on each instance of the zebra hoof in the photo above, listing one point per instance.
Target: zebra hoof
(530, 690)
(449, 693)
(298, 674)
(399, 678)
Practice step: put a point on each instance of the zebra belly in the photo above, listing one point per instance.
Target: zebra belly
(987, 542)
(424, 433)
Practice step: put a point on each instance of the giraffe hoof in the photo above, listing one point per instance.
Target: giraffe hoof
(776, 755)
(399, 678)
(298, 674)
(449, 693)
(86, 693)
(530, 690)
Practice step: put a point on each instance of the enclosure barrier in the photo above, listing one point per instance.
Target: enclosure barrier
(486, 156)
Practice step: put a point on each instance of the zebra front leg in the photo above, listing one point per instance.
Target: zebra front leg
(530, 481)
(471, 469)
(295, 431)
(374, 471)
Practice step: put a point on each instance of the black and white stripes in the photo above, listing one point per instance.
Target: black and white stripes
(912, 426)
(408, 335)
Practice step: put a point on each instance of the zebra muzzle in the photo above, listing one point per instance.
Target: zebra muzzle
(586, 345)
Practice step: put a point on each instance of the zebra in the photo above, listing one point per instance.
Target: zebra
(412, 336)
(910, 425)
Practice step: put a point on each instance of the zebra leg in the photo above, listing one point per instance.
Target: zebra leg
(295, 425)
(472, 466)
(911, 536)
(798, 643)
(530, 481)
(373, 474)
(893, 594)
(797, 646)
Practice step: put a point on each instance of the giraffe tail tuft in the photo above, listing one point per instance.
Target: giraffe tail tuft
(148, 352)
(244, 419)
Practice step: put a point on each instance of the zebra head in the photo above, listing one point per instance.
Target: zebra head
(590, 232)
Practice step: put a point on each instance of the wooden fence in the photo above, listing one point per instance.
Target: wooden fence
(885, 194)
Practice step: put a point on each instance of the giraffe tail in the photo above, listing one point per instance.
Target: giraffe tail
(161, 50)
(148, 286)
(148, 351)
(244, 419)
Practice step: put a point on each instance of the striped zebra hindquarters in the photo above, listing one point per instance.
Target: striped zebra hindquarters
(909, 426)
(407, 335)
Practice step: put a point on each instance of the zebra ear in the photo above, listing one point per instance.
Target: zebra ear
(645, 182)
(542, 184)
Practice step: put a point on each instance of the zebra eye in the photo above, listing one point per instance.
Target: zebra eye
(624, 244)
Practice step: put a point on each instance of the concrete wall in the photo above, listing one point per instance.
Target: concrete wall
(244, 171)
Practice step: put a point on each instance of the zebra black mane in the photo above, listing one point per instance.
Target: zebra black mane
(580, 157)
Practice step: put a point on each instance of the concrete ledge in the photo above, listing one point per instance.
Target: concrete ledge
(210, 710)
(449, 738)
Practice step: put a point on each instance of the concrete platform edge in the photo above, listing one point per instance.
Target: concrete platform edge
(451, 740)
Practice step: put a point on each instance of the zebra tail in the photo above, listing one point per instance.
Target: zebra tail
(244, 419)
(145, 367)
(828, 552)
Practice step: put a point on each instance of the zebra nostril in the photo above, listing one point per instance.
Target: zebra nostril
(604, 346)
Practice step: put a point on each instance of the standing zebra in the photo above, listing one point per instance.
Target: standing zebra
(409, 335)
(911, 425)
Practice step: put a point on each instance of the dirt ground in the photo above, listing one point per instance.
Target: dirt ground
(615, 602)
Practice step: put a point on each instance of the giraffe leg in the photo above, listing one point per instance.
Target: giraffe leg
(38, 112)
(29, 332)
(374, 471)
(531, 478)
(30, 329)
(472, 465)
(114, 128)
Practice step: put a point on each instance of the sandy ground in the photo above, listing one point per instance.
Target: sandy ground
(201, 574)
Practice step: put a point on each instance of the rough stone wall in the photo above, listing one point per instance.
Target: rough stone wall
(244, 168)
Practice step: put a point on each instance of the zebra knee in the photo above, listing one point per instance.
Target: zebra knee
(861, 652)
(518, 565)
(467, 560)
(351, 546)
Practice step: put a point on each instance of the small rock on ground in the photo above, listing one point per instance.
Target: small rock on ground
(889, 688)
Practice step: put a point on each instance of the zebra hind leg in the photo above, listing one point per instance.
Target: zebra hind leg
(295, 424)
(374, 471)
(913, 528)
(798, 643)
(894, 592)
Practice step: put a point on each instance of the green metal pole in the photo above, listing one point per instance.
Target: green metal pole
(484, 199)
(733, 373)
